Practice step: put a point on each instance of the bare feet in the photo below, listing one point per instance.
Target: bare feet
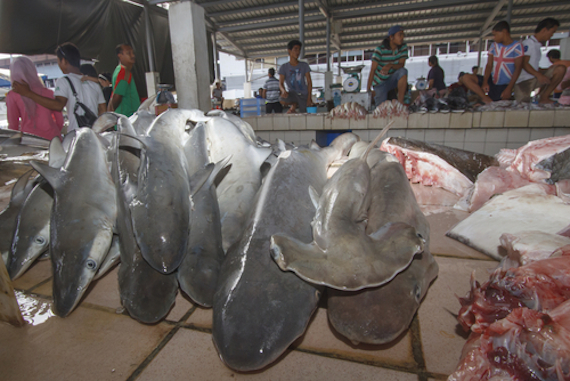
(292, 110)
(546, 101)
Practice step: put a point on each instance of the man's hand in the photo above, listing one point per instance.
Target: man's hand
(386, 69)
(485, 87)
(21, 88)
(285, 95)
(506, 94)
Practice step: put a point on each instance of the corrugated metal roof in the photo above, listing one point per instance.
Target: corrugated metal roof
(262, 28)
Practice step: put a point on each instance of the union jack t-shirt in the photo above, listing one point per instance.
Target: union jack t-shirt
(504, 61)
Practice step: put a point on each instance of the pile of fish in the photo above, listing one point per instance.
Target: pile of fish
(519, 320)
(391, 109)
(349, 110)
(543, 161)
(193, 201)
(507, 105)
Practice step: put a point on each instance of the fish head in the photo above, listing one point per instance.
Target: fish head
(74, 267)
(25, 249)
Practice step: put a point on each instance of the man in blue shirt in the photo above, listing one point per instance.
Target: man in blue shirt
(295, 80)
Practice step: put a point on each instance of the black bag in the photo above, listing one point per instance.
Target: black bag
(88, 117)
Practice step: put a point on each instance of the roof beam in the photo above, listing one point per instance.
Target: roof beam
(405, 7)
(272, 24)
(253, 9)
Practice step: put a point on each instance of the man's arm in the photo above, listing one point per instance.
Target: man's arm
(284, 93)
(263, 93)
(24, 90)
(506, 94)
(373, 68)
(114, 102)
(401, 63)
(101, 108)
(310, 88)
(488, 70)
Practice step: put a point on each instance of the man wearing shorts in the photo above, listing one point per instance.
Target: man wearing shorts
(532, 76)
(295, 80)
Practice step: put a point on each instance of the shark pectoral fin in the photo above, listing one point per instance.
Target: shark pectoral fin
(21, 188)
(220, 171)
(105, 121)
(306, 260)
(198, 179)
(314, 196)
(53, 176)
(56, 153)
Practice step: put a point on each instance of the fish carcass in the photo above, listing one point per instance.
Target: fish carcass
(80, 237)
(8, 221)
(540, 285)
(433, 164)
(525, 345)
(198, 272)
(342, 255)
(260, 310)
(390, 109)
(348, 110)
(161, 208)
(539, 160)
(379, 315)
(237, 191)
(528, 208)
(146, 294)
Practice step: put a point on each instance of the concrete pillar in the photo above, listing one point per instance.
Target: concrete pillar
(152, 81)
(328, 83)
(565, 48)
(191, 70)
(302, 27)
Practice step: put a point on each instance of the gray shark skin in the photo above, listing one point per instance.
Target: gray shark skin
(237, 192)
(373, 157)
(243, 126)
(141, 121)
(8, 217)
(260, 310)
(82, 218)
(380, 315)
(558, 165)
(198, 272)
(146, 294)
(342, 255)
(160, 209)
(112, 258)
(31, 235)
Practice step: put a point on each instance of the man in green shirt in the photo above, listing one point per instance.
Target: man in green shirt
(125, 98)
(387, 71)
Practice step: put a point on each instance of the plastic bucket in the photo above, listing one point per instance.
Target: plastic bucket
(312, 110)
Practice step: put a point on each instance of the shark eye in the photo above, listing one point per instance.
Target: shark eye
(418, 292)
(91, 264)
(39, 240)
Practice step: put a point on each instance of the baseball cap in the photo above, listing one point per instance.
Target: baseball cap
(394, 29)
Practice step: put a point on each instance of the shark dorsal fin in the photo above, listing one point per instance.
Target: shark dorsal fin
(54, 176)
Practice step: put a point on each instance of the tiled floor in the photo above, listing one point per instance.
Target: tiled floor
(98, 341)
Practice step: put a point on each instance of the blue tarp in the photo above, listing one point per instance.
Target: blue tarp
(4, 83)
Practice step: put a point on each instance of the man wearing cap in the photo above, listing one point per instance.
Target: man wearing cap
(387, 71)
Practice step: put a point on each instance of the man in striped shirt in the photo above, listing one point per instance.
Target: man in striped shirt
(387, 71)
(271, 94)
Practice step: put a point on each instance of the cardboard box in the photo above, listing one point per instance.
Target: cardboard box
(159, 109)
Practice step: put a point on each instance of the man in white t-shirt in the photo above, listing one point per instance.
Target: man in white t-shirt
(532, 76)
(89, 93)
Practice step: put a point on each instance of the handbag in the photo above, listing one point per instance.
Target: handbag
(88, 117)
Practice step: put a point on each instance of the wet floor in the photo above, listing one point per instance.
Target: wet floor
(99, 341)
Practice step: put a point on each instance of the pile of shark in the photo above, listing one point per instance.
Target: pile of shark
(257, 231)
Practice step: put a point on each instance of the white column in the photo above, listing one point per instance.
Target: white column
(191, 70)
(565, 48)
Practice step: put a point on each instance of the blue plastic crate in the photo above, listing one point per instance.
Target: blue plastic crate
(251, 107)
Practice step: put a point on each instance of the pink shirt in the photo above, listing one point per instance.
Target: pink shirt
(46, 123)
